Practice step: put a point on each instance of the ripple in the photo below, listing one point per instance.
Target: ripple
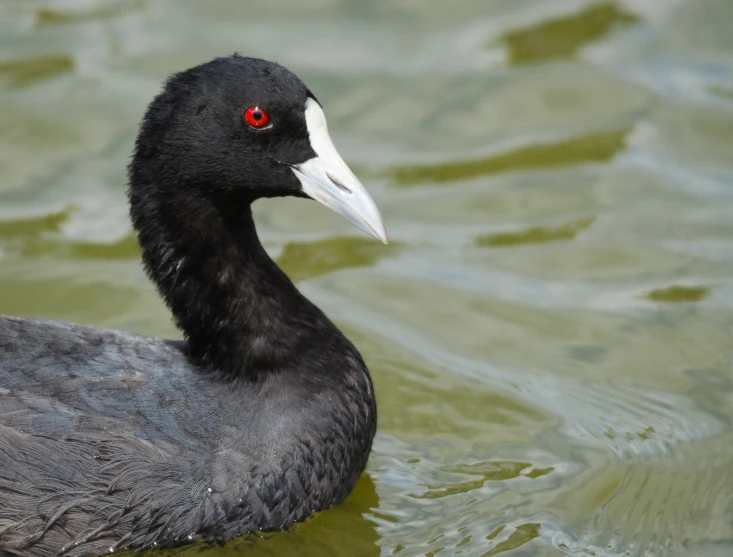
(563, 37)
(591, 148)
(51, 15)
(522, 534)
(679, 294)
(672, 507)
(32, 227)
(719, 90)
(305, 260)
(42, 236)
(23, 72)
(630, 420)
(549, 338)
(536, 234)
(482, 472)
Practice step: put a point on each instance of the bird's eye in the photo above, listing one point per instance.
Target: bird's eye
(256, 117)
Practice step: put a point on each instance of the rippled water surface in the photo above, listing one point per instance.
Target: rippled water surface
(550, 330)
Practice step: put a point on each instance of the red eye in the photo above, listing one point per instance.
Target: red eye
(256, 117)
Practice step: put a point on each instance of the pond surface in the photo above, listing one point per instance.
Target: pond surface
(551, 329)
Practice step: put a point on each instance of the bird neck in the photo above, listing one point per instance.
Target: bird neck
(240, 314)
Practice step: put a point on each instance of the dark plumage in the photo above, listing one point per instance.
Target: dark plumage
(264, 414)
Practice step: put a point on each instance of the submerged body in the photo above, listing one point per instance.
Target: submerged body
(264, 414)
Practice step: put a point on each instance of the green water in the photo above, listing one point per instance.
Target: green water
(551, 329)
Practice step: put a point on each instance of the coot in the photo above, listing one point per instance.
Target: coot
(264, 414)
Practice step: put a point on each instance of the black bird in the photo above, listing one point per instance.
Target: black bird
(264, 414)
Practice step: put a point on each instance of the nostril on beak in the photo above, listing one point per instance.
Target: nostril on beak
(338, 184)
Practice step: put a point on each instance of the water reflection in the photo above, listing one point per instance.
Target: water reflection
(304, 260)
(549, 331)
(24, 72)
(43, 235)
(535, 235)
(522, 534)
(329, 533)
(586, 149)
(674, 294)
(55, 15)
(563, 37)
(482, 472)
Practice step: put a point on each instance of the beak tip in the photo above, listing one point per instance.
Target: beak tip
(379, 233)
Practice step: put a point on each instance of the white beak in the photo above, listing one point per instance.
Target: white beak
(328, 180)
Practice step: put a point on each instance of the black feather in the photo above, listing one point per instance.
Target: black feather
(263, 415)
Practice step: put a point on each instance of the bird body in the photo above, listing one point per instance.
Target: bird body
(263, 414)
(116, 441)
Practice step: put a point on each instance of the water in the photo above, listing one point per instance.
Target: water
(550, 330)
